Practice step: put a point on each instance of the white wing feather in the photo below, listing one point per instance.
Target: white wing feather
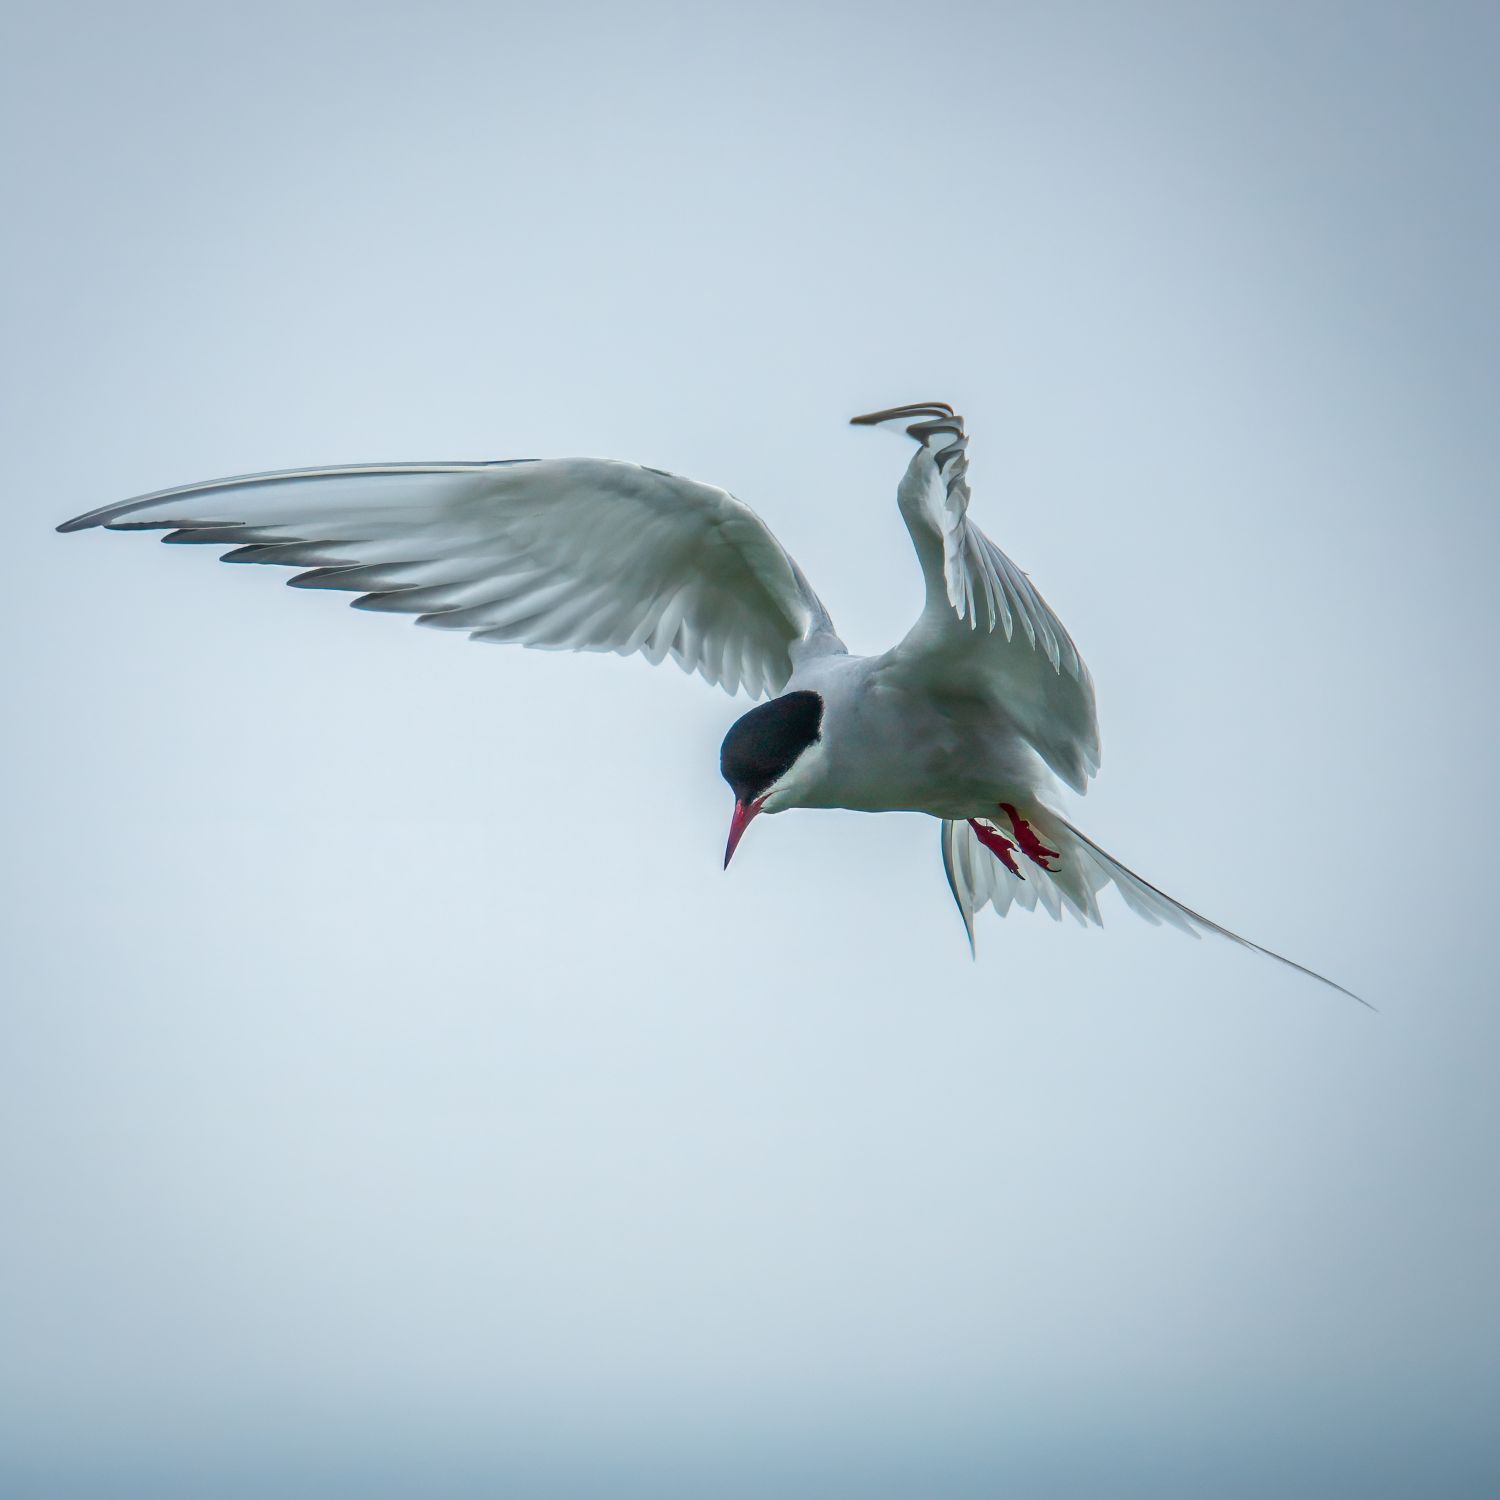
(985, 627)
(564, 554)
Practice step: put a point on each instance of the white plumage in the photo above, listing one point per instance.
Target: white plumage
(971, 718)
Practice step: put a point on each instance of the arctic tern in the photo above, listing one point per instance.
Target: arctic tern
(973, 718)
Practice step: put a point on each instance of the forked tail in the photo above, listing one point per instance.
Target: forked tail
(1039, 859)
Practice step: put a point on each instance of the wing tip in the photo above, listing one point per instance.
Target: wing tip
(84, 522)
(112, 517)
(911, 409)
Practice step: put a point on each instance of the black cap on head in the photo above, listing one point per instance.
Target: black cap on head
(762, 747)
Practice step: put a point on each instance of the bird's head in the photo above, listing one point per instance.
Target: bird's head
(760, 755)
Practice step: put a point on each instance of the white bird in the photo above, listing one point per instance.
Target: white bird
(972, 718)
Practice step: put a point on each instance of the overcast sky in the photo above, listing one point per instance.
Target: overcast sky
(396, 1099)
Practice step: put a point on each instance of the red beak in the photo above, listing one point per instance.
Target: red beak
(743, 813)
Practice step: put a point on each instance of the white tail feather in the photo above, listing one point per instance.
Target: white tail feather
(1080, 871)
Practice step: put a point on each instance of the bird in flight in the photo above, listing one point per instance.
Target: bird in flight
(972, 718)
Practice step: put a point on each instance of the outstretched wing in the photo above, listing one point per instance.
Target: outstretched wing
(985, 628)
(575, 554)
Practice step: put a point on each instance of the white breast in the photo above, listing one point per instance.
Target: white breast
(892, 744)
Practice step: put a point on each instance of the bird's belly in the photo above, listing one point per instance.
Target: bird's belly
(930, 764)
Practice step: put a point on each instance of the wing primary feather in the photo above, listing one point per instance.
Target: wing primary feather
(107, 515)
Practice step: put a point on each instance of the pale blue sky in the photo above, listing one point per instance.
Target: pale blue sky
(394, 1096)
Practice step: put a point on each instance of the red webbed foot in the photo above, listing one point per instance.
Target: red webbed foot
(1031, 846)
(998, 845)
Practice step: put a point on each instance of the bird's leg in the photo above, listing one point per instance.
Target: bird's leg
(998, 845)
(1031, 846)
